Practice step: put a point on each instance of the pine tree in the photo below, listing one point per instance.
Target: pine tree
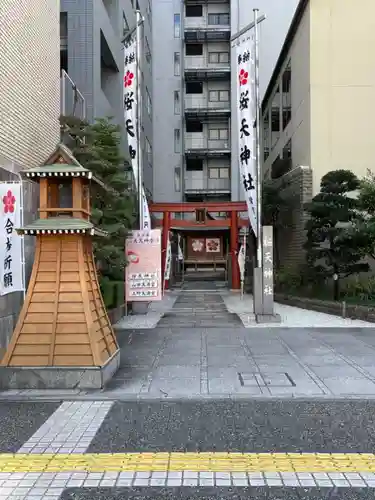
(334, 250)
(365, 227)
(112, 204)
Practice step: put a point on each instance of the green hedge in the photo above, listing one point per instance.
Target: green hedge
(113, 293)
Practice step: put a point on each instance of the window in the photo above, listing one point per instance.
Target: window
(65, 195)
(177, 64)
(148, 103)
(283, 163)
(194, 164)
(193, 11)
(218, 57)
(218, 95)
(63, 25)
(177, 25)
(177, 179)
(194, 87)
(177, 103)
(218, 173)
(266, 135)
(64, 60)
(218, 134)
(194, 126)
(177, 141)
(275, 118)
(194, 49)
(218, 19)
(286, 94)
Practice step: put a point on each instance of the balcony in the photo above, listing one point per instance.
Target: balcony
(198, 181)
(201, 107)
(213, 27)
(200, 146)
(207, 67)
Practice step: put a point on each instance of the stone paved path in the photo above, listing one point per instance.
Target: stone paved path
(195, 308)
(174, 361)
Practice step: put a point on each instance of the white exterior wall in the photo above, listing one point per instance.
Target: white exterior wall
(29, 80)
(299, 127)
(29, 110)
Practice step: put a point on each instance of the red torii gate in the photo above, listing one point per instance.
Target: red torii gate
(232, 222)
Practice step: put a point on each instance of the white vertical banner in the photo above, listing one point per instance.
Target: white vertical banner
(246, 115)
(11, 264)
(146, 212)
(241, 261)
(168, 261)
(180, 254)
(130, 117)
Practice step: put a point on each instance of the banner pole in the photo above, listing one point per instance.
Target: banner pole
(139, 20)
(257, 142)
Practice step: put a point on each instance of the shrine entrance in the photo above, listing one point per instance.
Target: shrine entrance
(205, 241)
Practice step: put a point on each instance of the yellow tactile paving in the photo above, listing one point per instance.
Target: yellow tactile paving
(219, 462)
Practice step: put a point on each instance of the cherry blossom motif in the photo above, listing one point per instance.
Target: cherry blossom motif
(243, 76)
(128, 79)
(213, 245)
(8, 201)
(133, 257)
(197, 245)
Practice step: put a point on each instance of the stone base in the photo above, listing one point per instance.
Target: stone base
(59, 377)
(258, 290)
(140, 307)
(268, 318)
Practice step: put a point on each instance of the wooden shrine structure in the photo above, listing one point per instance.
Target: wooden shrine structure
(63, 323)
(232, 222)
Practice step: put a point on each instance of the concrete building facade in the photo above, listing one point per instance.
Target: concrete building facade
(92, 54)
(29, 109)
(317, 109)
(195, 141)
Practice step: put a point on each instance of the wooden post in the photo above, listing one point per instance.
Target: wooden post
(236, 285)
(43, 194)
(77, 195)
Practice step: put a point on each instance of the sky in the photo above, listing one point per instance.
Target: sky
(272, 31)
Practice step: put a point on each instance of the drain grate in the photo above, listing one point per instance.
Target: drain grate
(275, 379)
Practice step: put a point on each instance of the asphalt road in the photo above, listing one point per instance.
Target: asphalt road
(19, 421)
(216, 494)
(251, 426)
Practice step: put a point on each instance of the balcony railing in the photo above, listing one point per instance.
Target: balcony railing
(204, 143)
(213, 61)
(196, 181)
(212, 21)
(72, 102)
(196, 102)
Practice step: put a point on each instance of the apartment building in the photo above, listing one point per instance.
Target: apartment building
(318, 107)
(195, 148)
(29, 109)
(92, 55)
